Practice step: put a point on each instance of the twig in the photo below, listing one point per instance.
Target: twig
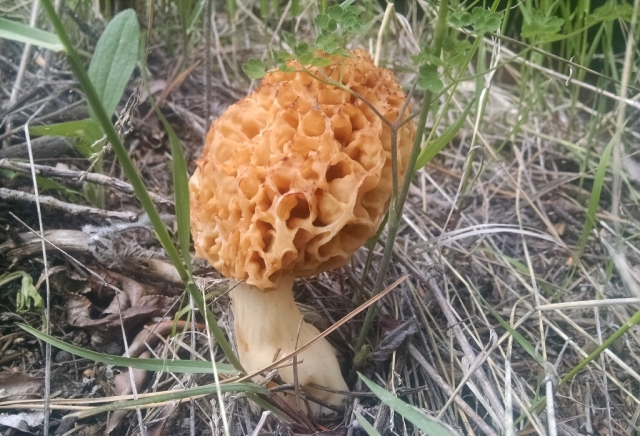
(99, 179)
(73, 209)
(261, 423)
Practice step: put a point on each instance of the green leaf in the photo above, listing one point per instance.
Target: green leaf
(302, 49)
(541, 27)
(322, 21)
(48, 184)
(28, 299)
(335, 12)
(433, 148)
(289, 39)
(320, 62)
(426, 56)
(157, 365)
(609, 12)
(30, 35)
(87, 132)
(87, 129)
(114, 59)
(428, 79)
(371, 431)
(484, 20)
(254, 68)
(430, 426)
(460, 18)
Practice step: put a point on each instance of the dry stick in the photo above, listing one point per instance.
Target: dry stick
(99, 179)
(73, 209)
(263, 420)
(415, 353)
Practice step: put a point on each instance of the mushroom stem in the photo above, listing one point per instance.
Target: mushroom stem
(266, 322)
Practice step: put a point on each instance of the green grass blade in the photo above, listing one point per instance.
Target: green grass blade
(118, 148)
(86, 128)
(172, 396)
(180, 189)
(114, 59)
(87, 132)
(157, 365)
(31, 35)
(136, 181)
(595, 197)
(432, 149)
(425, 423)
(526, 345)
(371, 431)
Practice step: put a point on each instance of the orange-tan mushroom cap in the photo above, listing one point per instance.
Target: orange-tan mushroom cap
(295, 177)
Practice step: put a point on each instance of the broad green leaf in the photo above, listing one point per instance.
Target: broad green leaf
(432, 149)
(157, 365)
(254, 68)
(114, 59)
(430, 426)
(428, 79)
(31, 35)
(541, 27)
(371, 431)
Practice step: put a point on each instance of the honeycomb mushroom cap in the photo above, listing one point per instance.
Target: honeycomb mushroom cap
(297, 176)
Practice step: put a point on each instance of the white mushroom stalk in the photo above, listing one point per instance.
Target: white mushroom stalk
(267, 328)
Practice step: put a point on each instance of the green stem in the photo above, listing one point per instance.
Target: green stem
(398, 200)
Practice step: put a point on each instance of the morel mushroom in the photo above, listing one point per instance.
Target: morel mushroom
(293, 179)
